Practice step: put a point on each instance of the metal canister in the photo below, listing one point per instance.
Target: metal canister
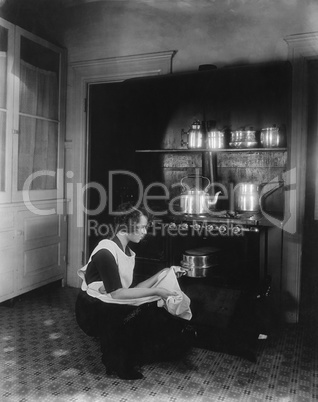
(215, 139)
(271, 137)
(246, 197)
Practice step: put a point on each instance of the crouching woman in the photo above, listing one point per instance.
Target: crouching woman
(132, 326)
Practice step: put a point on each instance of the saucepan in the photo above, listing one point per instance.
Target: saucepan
(200, 262)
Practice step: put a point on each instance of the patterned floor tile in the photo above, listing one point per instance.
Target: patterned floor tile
(45, 357)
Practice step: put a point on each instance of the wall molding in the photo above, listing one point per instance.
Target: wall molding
(302, 45)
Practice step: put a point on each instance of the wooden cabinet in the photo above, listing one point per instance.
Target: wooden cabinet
(32, 247)
(41, 246)
(32, 120)
(8, 255)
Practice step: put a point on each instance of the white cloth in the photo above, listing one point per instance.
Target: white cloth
(178, 305)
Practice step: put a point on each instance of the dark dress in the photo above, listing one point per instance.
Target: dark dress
(129, 335)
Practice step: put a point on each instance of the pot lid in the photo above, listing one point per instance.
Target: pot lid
(202, 251)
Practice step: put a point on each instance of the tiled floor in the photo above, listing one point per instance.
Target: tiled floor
(45, 357)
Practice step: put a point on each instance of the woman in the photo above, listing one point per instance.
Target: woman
(131, 327)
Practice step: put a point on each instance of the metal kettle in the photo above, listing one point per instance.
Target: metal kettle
(194, 136)
(194, 201)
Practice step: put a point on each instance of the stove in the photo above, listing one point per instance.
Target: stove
(222, 223)
(241, 240)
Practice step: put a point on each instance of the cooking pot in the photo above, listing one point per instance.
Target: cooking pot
(246, 197)
(194, 136)
(194, 201)
(251, 196)
(243, 138)
(271, 137)
(200, 262)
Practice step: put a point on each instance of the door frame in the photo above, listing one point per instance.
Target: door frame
(301, 49)
(80, 75)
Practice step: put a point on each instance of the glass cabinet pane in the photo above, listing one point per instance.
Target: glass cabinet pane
(38, 151)
(3, 103)
(39, 114)
(3, 66)
(3, 125)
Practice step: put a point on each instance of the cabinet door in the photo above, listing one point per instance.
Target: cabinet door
(38, 142)
(8, 255)
(41, 248)
(6, 107)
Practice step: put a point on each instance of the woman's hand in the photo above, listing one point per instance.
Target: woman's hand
(102, 290)
(178, 270)
(165, 293)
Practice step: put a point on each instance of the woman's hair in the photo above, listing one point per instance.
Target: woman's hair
(127, 217)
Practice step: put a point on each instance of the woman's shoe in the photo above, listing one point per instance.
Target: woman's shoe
(110, 366)
(130, 374)
(122, 372)
(110, 370)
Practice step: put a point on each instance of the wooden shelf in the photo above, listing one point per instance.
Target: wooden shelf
(186, 150)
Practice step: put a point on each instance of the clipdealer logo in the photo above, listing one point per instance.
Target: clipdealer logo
(75, 194)
(289, 222)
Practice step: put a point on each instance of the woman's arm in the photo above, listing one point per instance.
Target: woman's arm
(112, 283)
(132, 293)
(104, 268)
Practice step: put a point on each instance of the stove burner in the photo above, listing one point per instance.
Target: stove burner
(232, 215)
(204, 228)
(214, 214)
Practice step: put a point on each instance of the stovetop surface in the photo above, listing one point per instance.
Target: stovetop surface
(243, 218)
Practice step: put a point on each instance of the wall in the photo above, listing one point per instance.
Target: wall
(202, 31)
